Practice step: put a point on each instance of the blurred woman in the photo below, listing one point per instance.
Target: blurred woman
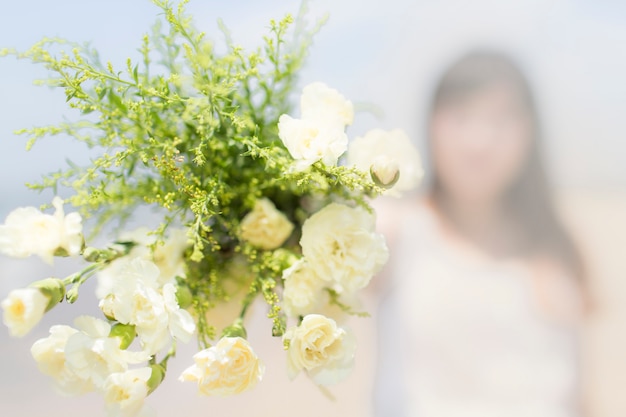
(486, 289)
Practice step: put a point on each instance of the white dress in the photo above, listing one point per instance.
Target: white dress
(465, 337)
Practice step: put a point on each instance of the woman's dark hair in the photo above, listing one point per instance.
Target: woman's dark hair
(529, 199)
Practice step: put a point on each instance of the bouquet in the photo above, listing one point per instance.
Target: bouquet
(256, 200)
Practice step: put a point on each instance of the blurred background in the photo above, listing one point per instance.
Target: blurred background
(388, 54)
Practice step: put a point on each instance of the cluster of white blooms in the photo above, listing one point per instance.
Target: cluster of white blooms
(342, 252)
(230, 367)
(28, 231)
(87, 358)
(320, 133)
(138, 299)
(321, 349)
(390, 157)
(138, 294)
(141, 279)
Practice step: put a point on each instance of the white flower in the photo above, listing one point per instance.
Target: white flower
(319, 135)
(366, 151)
(302, 292)
(23, 309)
(322, 103)
(136, 299)
(92, 355)
(49, 353)
(230, 367)
(71, 238)
(131, 290)
(168, 257)
(341, 244)
(27, 231)
(265, 227)
(319, 347)
(125, 392)
(309, 141)
(180, 323)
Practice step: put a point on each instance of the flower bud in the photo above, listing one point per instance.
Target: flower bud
(91, 254)
(184, 298)
(385, 171)
(72, 294)
(53, 289)
(61, 252)
(279, 326)
(125, 332)
(158, 374)
(235, 330)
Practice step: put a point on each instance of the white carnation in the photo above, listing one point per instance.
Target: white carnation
(341, 244)
(27, 231)
(23, 309)
(396, 150)
(309, 141)
(125, 392)
(321, 349)
(322, 103)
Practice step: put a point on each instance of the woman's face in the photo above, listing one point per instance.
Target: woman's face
(480, 143)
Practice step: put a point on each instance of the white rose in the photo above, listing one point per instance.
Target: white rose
(309, 141)
(321, 349)
(27, 231)
(302, 292)
(23, 309)
(49, 353)
(125, 392)
(265, 227)
(341, 244)
(92, 355)
(322, 103)
(230, 367)
(366, 151)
